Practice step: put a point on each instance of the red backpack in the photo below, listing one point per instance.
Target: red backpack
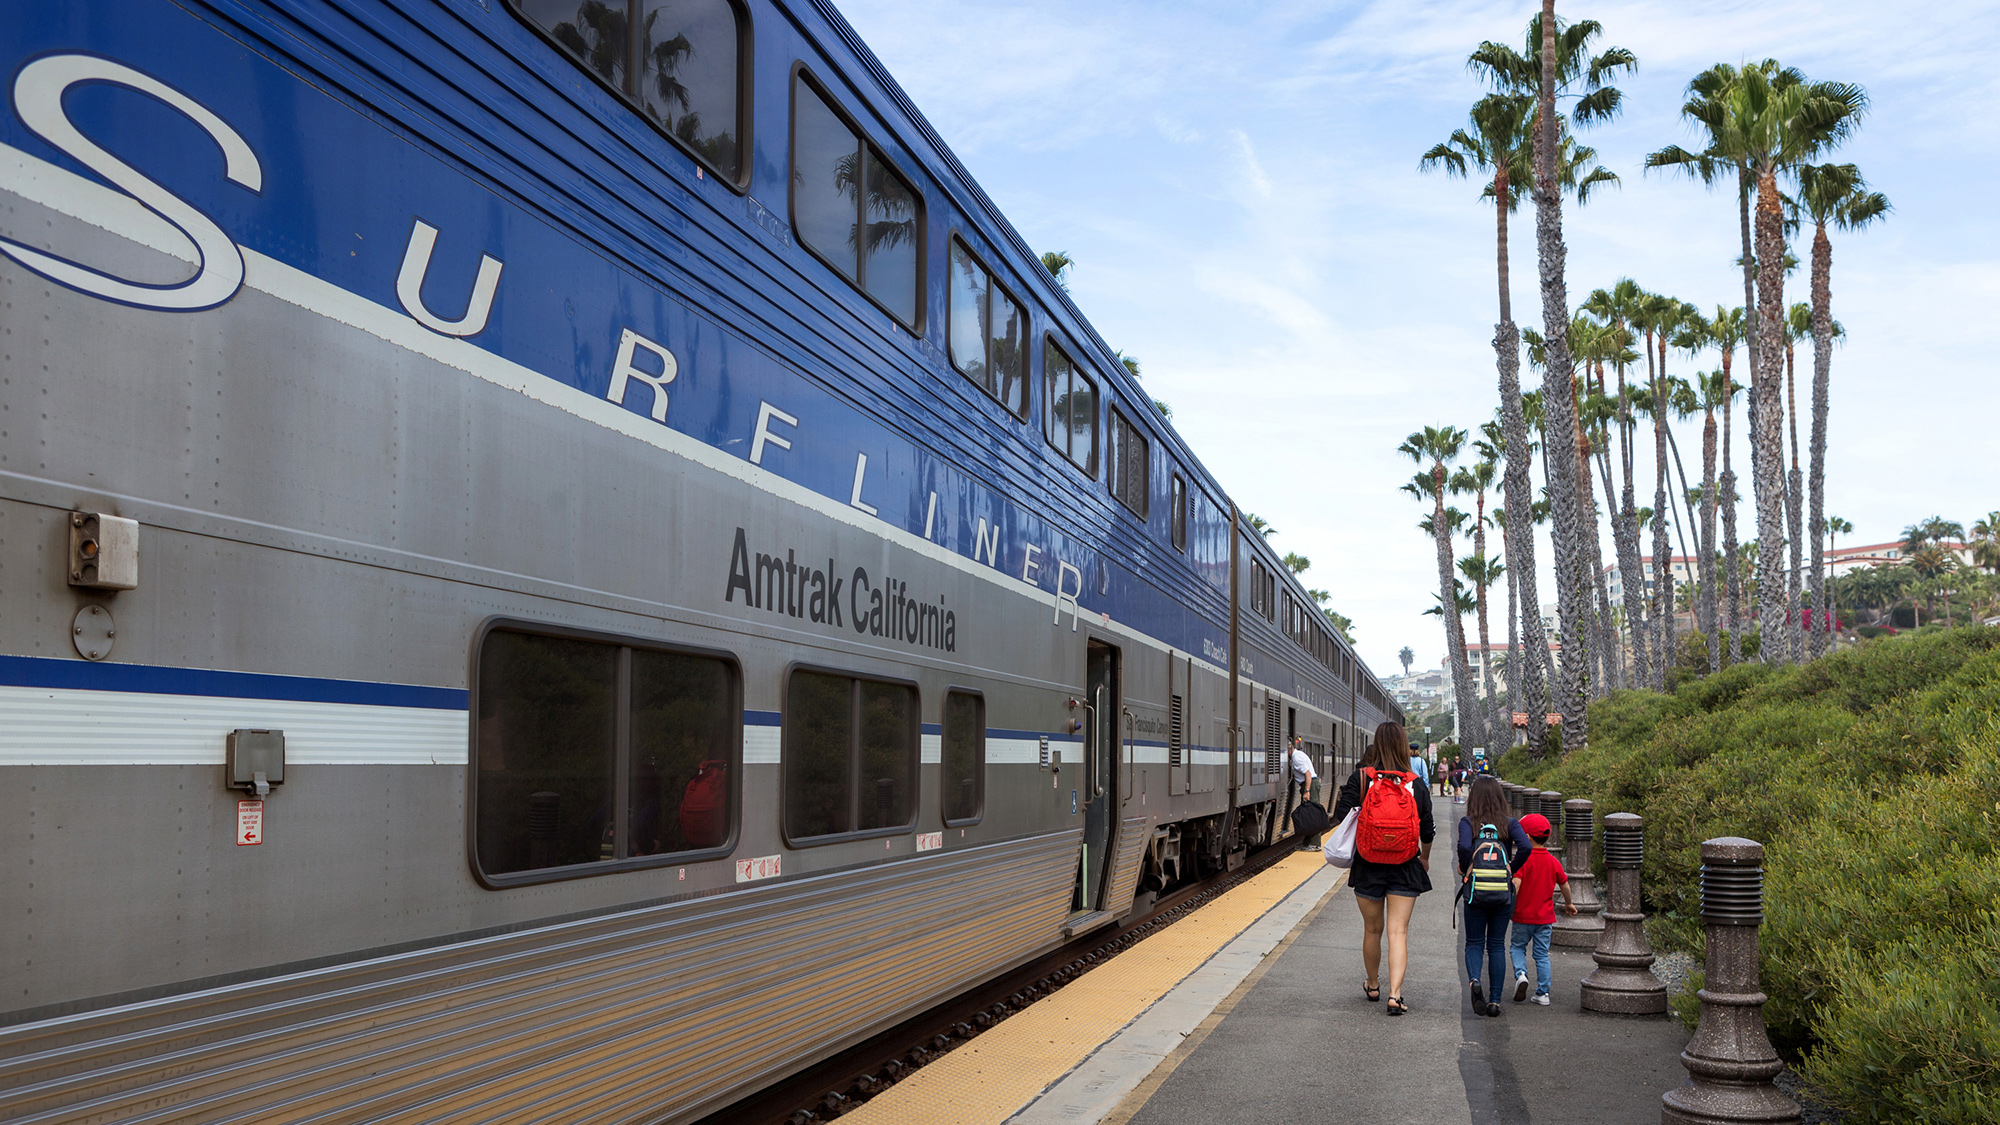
(705, 806)
(1386, 831)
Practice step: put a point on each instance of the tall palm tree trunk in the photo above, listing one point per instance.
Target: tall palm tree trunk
(1514, 664)
(1822, 326)
(1485, 647)
(1794, 517)
(1572, 583)
(1454, 628)
(1709, 624)
(1732, 575)
(1606, 645)
(1617, 644)
(1631, 586)
(1527, 680)
(1663, 547)
(1767, 461)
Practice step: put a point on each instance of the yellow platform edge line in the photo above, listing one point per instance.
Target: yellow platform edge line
(989, 1078)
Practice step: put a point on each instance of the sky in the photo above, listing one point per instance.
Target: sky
(1238, 185)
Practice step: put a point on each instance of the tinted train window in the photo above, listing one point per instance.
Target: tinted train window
(1129, 463)
(850, 755)
(1177, 518)
(964, 757)
(988, 332)
(1070, 400)
(549, 748)
(683, 69)
(851, 208)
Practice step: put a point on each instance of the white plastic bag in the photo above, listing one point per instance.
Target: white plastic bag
(1339, 846)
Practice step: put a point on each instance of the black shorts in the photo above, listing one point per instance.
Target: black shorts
(1379, 880)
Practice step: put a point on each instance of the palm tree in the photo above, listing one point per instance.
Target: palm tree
(1616, 307)
(1498, 141)
(1797, 325)
(1669, 318)
(1985, 542)
(1930, 564)
(1764, 119)
(1828, 193)
(1058, 262)
(1835, 526)
(1935, 529)
(1726, 330)
(1440, 445)
(1408, 656)
(1483, 572)
(1714, 390)
(1476, 479)
(1296, 563)
(1545, 69)
(1258, 525)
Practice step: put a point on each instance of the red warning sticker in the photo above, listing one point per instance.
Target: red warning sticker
(249, 822)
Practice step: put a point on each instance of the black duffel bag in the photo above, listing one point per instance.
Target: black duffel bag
(1309, 819)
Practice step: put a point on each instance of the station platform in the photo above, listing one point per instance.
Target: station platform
(1251, 1010)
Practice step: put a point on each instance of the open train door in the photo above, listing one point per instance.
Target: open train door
(1108, 868)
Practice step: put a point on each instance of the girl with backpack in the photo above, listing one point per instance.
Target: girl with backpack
(1392, 856)
(1491, 847)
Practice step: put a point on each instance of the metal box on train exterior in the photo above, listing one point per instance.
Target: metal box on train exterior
(717, 595)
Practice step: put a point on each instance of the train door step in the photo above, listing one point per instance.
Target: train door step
(1086, 921)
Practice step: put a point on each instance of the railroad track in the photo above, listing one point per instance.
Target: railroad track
(834, 1086)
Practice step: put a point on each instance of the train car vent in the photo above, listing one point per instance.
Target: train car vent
(1274, 738)
(1174, 731)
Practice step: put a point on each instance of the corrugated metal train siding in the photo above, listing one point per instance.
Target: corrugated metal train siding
(1132, 839)
(649, 1015)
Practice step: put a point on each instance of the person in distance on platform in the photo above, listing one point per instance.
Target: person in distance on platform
(1302, 780)
(1486, 914)
(1535, 909)
(1395, 822)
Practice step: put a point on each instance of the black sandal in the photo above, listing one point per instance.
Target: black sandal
(1396, 1006)
(1372, 991)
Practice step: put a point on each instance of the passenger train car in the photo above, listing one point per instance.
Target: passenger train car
(560, 560)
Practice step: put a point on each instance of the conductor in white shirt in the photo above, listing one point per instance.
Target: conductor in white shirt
(1302, 781)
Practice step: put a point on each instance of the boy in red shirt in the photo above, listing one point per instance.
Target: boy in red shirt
(1535, 883)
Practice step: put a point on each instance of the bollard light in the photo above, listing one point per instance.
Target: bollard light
(1730, 1061)
(1623, 981)
(1549, 803)
(1582, 930)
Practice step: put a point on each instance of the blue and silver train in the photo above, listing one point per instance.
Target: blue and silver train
(559, 560)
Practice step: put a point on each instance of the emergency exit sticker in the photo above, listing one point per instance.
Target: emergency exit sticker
(249, 822)
(763, 867)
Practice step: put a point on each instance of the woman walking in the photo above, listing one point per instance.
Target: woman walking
(1487, 821)
(1386, 892)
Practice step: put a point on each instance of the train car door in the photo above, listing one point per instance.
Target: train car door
(1100, 773)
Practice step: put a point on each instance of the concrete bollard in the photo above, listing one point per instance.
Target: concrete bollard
(1623, 981)
(1549, 803)
(1513, 793)
(1584, 929)
(1730, 1062)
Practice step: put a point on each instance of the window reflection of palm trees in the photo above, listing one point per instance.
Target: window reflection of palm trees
(887, 197)
(600, 36)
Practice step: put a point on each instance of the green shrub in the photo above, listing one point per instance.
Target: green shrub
(1873, 778)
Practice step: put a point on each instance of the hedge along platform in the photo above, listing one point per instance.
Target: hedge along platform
(1075, 1054)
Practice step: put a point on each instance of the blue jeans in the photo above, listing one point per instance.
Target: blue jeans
(1523, 934)
(1486, 932)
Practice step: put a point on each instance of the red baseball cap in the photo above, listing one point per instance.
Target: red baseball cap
(1535, 824)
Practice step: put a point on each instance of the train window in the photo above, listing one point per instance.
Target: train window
(1129, 462)
(988, 332)
(850, 208)
(850, 756)
(1177, 518)
(685, 70)
(963, 757)
(683, 725)
(1070, 401)
(550, 746)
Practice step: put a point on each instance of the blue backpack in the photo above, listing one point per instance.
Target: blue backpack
(1488, 882)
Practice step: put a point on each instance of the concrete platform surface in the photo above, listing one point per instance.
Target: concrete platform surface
(1301, 1044)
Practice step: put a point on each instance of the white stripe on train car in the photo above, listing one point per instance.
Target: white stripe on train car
(75, 727)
